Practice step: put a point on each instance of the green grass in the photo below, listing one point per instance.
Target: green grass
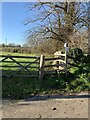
(16, 88)
(11, 53)
(78, 79)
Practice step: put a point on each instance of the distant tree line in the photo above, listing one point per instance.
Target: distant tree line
(10, 45)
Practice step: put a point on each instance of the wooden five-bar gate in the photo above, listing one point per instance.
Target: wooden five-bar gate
(19, 66)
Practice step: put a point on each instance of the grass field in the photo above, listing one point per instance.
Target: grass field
(78, 79)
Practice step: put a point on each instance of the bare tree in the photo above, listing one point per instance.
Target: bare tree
(58, 20)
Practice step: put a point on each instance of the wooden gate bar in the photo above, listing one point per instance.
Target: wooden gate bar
(32, 57)
(3, 59)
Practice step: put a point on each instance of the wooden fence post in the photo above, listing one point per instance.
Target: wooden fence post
(41, 70)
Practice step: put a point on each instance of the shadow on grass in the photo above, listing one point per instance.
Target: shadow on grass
(19, 87)
(27, 87)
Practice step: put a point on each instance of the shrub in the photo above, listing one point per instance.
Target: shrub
(77, 54)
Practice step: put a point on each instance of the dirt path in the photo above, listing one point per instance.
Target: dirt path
(46, 108)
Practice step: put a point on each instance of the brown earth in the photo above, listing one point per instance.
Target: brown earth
(47, 107)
